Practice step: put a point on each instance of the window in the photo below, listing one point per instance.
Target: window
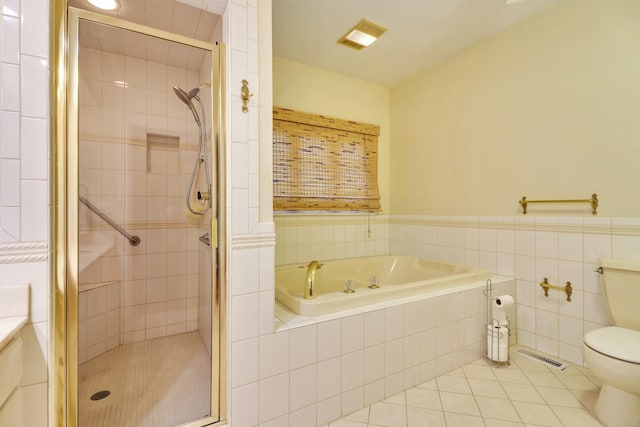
(322, 163)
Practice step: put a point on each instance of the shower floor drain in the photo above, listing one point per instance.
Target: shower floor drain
(545, 360)
(100, 395)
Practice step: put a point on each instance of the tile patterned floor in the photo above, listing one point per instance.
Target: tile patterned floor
(161, 382)
(526, 393)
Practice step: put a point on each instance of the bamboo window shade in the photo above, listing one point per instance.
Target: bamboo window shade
(323, 163)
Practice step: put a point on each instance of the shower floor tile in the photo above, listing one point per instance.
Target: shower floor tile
(481, 394)
(154, 383)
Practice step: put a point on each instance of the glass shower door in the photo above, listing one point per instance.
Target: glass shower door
(147, 315)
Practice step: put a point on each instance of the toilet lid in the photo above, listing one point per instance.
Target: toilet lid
(616, 342)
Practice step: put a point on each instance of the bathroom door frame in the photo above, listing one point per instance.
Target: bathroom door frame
(64, 107)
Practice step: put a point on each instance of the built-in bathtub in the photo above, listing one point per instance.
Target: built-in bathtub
(396, 276)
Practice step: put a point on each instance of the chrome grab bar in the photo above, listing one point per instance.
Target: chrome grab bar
(133, 240)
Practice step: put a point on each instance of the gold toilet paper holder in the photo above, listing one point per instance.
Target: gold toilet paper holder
(567, 289)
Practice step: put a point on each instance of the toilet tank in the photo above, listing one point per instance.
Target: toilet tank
(622, 291)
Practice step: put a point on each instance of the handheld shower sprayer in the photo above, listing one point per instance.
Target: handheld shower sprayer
(201, 157)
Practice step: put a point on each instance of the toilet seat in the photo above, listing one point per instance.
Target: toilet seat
(613, 341)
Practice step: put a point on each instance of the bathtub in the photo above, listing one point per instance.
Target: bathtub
(397, 276)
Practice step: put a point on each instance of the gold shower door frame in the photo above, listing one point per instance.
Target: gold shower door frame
(64, 212)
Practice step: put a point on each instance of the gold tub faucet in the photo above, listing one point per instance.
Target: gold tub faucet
(311, 275)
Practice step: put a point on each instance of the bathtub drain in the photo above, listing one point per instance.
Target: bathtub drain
(100, 395)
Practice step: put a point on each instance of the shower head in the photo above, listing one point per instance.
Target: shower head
(186, 97)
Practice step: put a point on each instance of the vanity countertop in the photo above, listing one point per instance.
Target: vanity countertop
(9, 327)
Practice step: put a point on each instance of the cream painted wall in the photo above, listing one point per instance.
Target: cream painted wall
(547, 109)
(304, 88)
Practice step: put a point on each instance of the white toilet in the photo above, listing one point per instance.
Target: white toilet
(613, 353)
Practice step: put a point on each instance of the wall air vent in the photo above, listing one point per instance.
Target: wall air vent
(545, 360)
(363, 34)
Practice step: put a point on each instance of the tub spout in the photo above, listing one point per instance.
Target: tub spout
(311, 275)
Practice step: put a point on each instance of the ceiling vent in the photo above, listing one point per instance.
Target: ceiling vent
(362, 35)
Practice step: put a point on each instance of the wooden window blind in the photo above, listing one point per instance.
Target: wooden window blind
(323, 163)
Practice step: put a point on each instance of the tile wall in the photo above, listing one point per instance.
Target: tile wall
(531, 248)
(526, 248)
(302, 238)
(142, 186)
(24, 185)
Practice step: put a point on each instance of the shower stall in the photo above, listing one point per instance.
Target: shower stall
(144, 282)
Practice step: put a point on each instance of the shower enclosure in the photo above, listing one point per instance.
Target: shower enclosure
(144, 265)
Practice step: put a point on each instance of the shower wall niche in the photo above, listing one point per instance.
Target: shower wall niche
(137, 146)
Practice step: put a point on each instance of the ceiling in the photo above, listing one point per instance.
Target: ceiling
(168, 15)
(420, 32)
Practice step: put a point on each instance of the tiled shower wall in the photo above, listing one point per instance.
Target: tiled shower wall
(24, 185)
(142, 187)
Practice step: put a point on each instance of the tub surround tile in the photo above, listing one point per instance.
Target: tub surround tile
(303, 346)
(358, 373)
(374, 391)
(274, 397)
(352, 370)
(374, 327)
(428, 347)
(393, 357)
(329, 410)
(328, 378)
(411, 348)
(303, 388)
(374, 363)
(411, 320)
(393, 384)
(352, 400)
(274, 354)
(393, 319)
(352, 333)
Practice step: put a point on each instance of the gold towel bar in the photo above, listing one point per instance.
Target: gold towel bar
(593, 201)
(566, 288)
